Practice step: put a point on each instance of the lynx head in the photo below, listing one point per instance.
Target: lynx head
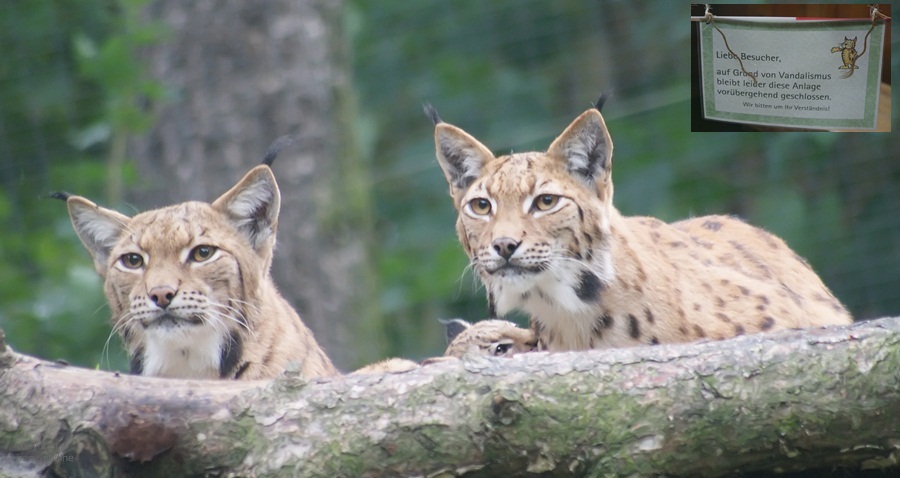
(848, 43)
(534, 224)
(182, 280)
(497, 338)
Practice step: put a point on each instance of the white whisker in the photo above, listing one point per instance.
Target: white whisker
(253, 307)
(470, 268)
(233, 314)
(117, 329)
(213, 319)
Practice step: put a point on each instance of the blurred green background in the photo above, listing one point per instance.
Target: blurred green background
(73, 90)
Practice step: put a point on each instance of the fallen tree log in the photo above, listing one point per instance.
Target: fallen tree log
(815, 399)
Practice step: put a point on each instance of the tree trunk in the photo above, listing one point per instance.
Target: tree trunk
(796, 400)
(241, 73)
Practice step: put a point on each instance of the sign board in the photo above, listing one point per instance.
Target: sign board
(822, 74)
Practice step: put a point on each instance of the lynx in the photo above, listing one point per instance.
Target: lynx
(497, 338)
(189, 286)
(542, 234)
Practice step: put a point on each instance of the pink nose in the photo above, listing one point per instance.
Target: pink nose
(162, 296)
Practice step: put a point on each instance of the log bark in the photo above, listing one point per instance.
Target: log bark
(817, 399)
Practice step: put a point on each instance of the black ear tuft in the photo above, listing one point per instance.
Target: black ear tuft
(600, 101)
(454, 328)
(276, 147)
(432, 113)
(61, 195)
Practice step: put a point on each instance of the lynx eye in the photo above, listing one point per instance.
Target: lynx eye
(202, 253)
(498, 349)
(545, 202)
(132, 260)
(480, 206)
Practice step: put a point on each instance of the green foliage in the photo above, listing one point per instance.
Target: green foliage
(70, 82)
(113, 66)
(513, 73)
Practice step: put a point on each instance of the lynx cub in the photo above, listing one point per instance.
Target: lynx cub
(543, 235)
(189, 286)
(497, 338)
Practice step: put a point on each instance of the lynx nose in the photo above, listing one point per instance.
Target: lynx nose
(505, 246)
(162, 295)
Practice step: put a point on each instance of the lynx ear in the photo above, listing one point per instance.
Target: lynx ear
(454, 328)
(252, 205)
(586, 148)
(98, 228)
(460, 155)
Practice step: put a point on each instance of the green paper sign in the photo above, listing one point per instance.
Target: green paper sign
(809, 73)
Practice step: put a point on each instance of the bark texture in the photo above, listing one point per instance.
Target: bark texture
(241, 73)
(818, 399)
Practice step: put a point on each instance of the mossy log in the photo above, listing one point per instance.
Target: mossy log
(820, 399)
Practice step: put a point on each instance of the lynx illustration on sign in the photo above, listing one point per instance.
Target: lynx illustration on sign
(848, 53)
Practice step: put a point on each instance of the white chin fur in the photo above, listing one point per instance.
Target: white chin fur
(191, 351)
(537, 294)
(550, 293)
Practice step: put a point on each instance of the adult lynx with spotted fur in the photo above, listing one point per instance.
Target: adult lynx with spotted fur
(544, 237)
(189, 285)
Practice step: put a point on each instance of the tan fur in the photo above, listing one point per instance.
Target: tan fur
(216, 317)
(497, 338)
(391, 365)
(591, 278)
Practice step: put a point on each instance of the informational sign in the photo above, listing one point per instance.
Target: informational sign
(821, 74)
